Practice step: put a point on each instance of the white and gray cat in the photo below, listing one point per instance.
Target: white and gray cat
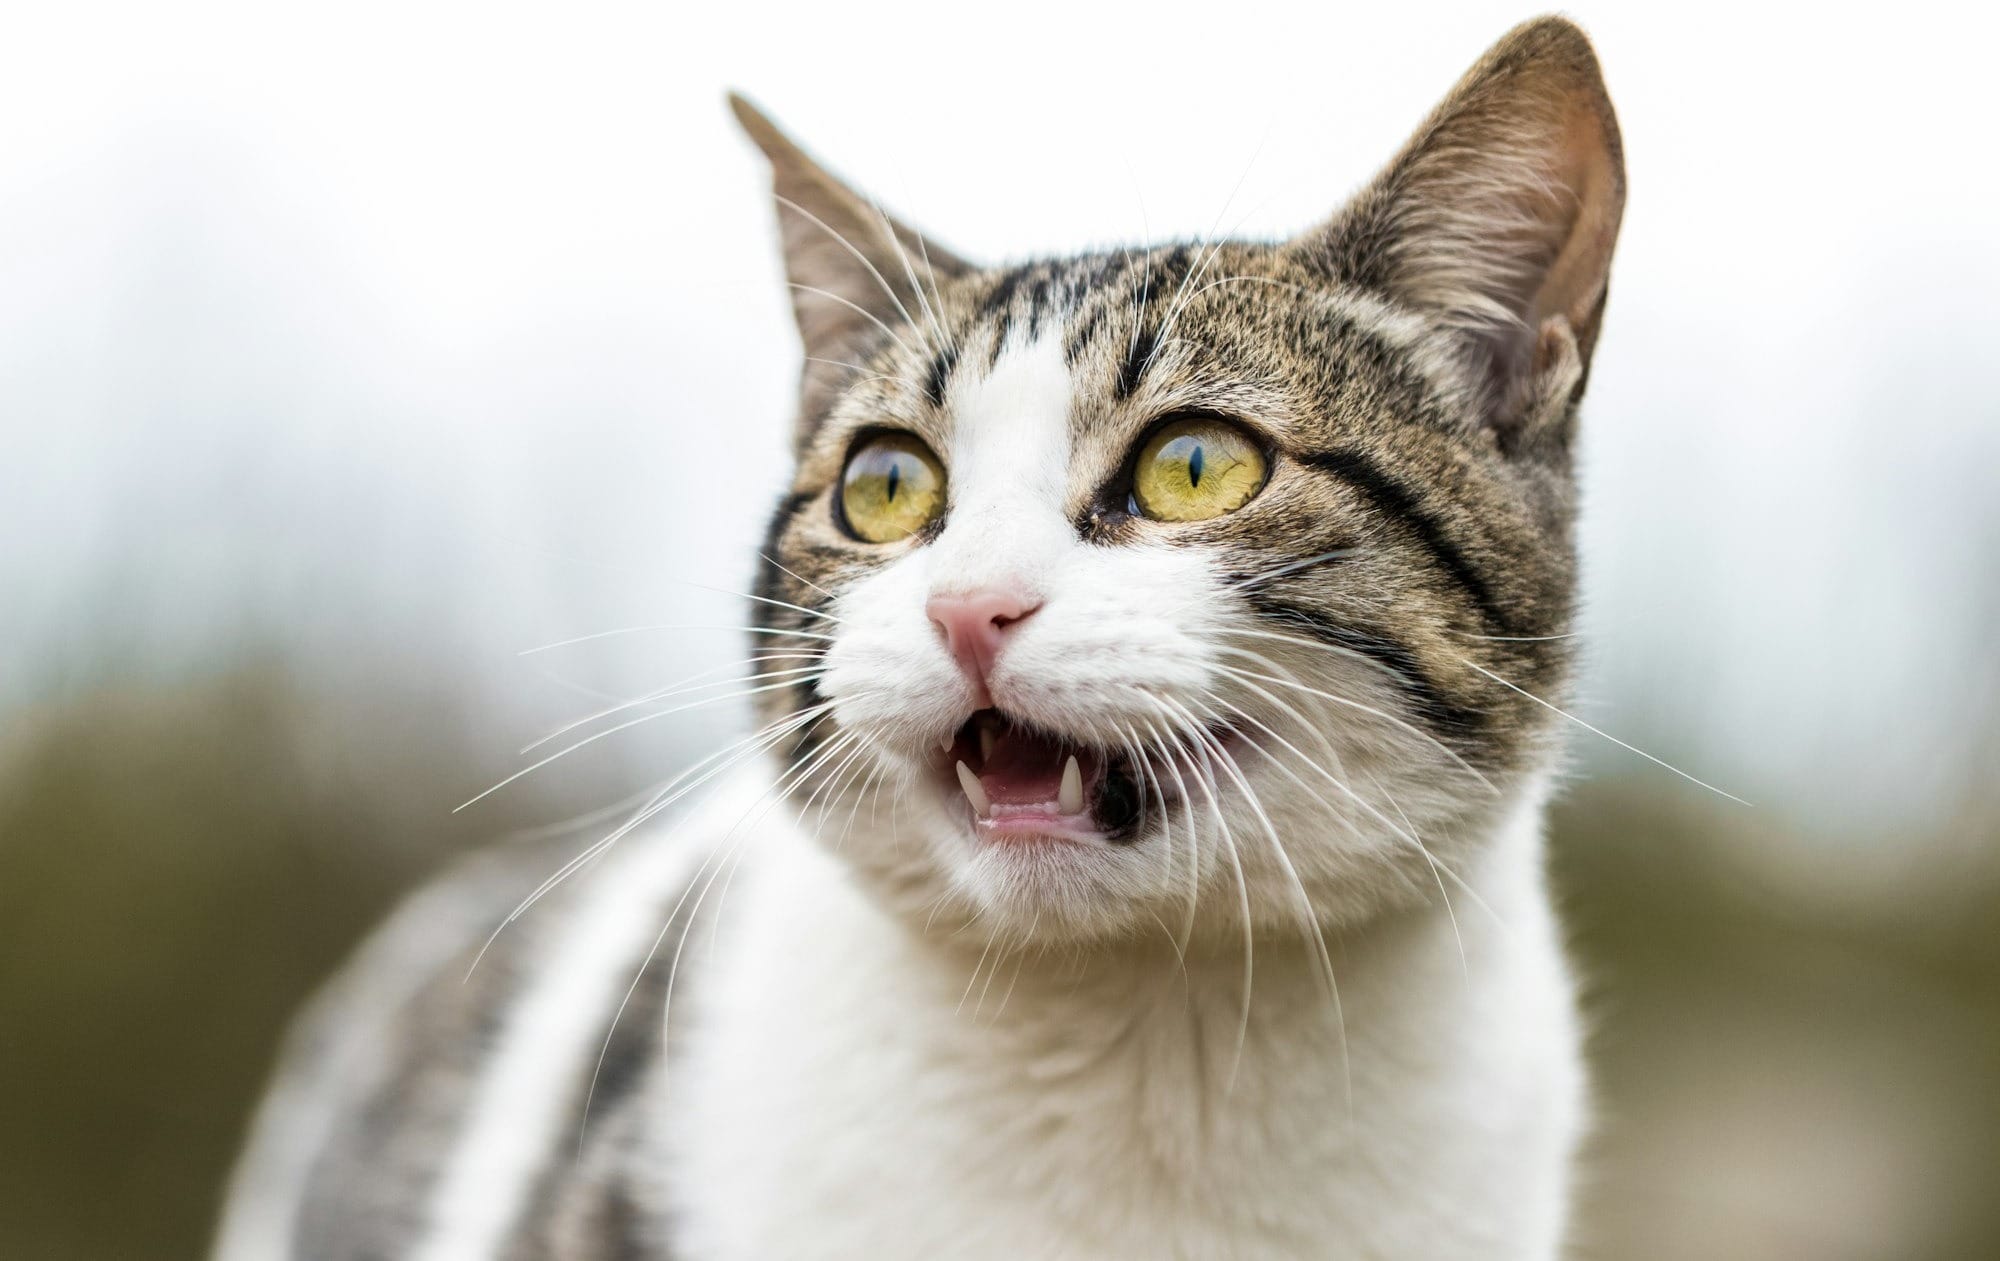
(1140, 855)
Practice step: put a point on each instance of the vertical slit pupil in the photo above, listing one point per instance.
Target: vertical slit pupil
(1194, 467)
(895, 478)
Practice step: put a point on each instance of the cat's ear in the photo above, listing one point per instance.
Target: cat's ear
(1498, 218)
(850, 265)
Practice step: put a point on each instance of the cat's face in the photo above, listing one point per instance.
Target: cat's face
(1175, 586)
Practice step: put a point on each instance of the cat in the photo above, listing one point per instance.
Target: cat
(1140, 854)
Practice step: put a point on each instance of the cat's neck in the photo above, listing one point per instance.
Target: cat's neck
(1127, 1093)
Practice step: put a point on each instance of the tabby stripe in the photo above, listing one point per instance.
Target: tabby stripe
(1160, 285)
(338, 1059)
(1081, 335)
(1137, 356)
(602, 1212)
(998, 307)
(1426, 697)
(522, 1107)
(940, 374)
(1394, 499)
(770, 584)
(583, 1205)
(771, 579)
(1002, 292)
(1093, 290)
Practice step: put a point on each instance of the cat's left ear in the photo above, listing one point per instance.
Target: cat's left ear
(850, 265)
(1498, 219)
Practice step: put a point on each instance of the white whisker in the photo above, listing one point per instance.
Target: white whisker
(594, 737)
(1597, 731)
(862, 311)
(667, 626)
(679, 689)
(848, 245)
(789, 573)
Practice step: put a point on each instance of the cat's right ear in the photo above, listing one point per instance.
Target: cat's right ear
(852, 268)
(1499, 216)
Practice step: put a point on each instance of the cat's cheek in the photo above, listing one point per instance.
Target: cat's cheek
(887, 674)
(901, 702)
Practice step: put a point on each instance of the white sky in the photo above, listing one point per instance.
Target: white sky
(460, 329)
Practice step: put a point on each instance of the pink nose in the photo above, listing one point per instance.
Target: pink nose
(973, 625)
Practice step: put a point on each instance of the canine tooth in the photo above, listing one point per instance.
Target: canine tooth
(1070, 798)
(973, 792)
(945, 742)
(986, 739)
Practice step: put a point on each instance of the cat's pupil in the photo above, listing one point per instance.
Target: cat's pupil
(1194, 468)
(895, 477)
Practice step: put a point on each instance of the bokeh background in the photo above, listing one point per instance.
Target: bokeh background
(350, 359)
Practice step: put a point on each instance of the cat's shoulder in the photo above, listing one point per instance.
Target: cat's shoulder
(472, 1065)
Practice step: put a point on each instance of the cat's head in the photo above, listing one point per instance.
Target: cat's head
(1168, 586)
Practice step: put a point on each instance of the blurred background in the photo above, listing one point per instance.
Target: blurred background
(351, 363)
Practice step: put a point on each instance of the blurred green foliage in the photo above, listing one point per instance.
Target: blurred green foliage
(177, 870)
(1782, 1074)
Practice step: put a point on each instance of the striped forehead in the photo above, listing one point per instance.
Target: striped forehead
(1008, 357)
(1032, 331)
(1071, 298)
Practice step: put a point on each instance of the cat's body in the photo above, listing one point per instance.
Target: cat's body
(1152, 862)
(1085, 1111)
(1102, 1107)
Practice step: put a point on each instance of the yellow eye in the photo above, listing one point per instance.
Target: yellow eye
(1194, 469)
(892, 488)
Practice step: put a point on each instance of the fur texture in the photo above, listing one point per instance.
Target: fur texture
(1290, 985)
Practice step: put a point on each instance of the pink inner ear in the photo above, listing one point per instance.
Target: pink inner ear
(1576, 278)
(1503, 208)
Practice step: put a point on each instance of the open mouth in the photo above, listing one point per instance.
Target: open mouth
(1021, 782)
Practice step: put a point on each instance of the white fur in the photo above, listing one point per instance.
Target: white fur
(528, 1089)
(1010, 468)
(915, 1045)
(845, 1097)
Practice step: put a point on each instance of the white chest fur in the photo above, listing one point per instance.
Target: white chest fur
(851, 1090)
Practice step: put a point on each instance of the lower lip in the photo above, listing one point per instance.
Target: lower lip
(1023, 826)
(1033, 825)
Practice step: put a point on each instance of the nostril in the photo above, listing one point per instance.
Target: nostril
(1002, 620)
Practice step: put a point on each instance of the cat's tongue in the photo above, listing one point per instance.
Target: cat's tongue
(1022, 769)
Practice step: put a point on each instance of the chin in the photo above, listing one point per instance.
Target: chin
(1052, 836)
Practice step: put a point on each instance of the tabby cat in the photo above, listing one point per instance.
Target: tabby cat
(1140, 854)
